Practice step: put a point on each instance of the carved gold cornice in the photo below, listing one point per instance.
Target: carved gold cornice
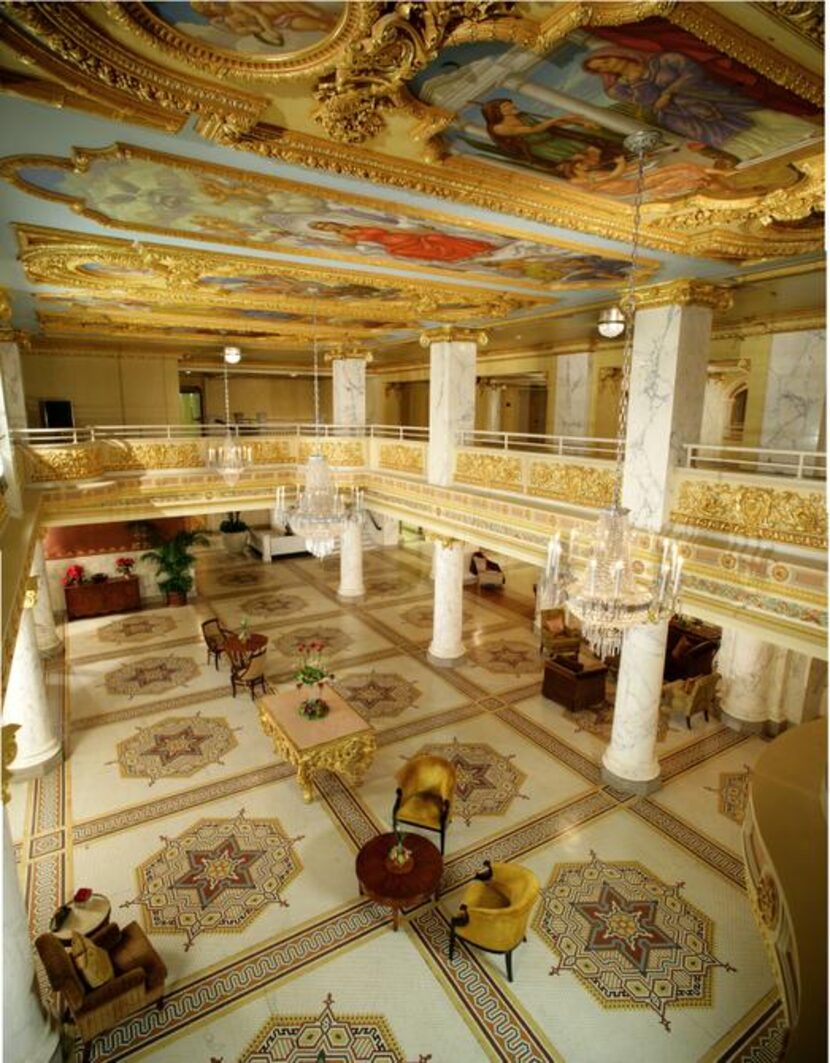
(804, 16)
(344, 352)
(684, 293)
(799, 321)
(451, 334)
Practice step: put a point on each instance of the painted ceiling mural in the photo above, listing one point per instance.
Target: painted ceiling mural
(134, 188)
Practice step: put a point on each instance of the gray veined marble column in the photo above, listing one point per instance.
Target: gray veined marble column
(349, 390)
(452, 397)
(48, 639)
(27, 703)
(351, 561)
(572, 397)
(446, 648)
(796, 387)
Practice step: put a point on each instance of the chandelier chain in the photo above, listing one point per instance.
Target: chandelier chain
(316, 380)
(227, 400)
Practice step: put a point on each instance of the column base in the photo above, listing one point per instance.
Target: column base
(48, 650)
(641, 787)
(352, 597)
(34, 768)
(446, 662)
(771, 728)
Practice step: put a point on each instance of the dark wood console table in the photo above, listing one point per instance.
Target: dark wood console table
(98, 599)
(575, 690)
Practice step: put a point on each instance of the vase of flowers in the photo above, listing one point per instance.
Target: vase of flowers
(124, 566)
(399, 859)
(73, 576)
(312, 672)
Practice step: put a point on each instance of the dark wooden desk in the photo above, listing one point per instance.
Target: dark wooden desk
(575, 690)
(394, 889)
(98, 599)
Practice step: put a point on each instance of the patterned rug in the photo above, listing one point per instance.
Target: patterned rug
(733, 793)
(245, 577)
(325, 1038)
(630, 938)
(274, 604)
(333, 639)
(486, 783)
(599, 721)
(216, 877)
(418, 615)
(136, 628)
(501, 655)
(151, 675)
(178, 746)
(375, 694)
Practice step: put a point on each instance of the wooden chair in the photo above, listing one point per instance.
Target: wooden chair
(139, 975)
(214, 635)
(250, 674)
(495, 910)
(557, 639)
(487, 572)
(689, 696)
(424, 795)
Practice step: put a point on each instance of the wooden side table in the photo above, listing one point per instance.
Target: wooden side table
(85, 918)
(239, 652)
(398, 890)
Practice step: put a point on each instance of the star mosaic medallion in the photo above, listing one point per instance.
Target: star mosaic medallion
(178, 746)
(629, 937)
(275, 604)
(217, 876)
(325, 1038)
(506, 656)
(375, 694)
(334, 640)
(151, 675)
(136, 628)
(486, 783)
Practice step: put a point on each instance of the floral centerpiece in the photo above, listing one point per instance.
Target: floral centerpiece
(124, 566)
(399, 858)
(73, 576)
(312, 671)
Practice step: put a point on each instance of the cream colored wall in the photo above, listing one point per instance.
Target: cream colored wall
(118, 389)
(280, 398)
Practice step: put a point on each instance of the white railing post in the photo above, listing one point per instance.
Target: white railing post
(800, 469)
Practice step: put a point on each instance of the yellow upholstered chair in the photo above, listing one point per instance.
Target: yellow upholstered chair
(495, 910)
(689, 696)
(214, 635)
(557, 637)
(250, 674)
(424, 794)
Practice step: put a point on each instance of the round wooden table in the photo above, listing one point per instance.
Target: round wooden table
(85, 918)
(240, 652)
(394, 889)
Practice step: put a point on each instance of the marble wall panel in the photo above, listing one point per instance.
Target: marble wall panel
(796, 387)
(573, 395)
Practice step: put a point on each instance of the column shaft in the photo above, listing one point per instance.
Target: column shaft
(795, 392)
(48, 638)
(27, 703)
(349, 391)
(351, 561)
(452, 402)
(446, 647)
(12, 415)
(573, 395)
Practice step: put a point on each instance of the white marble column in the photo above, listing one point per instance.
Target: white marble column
(668, 381)
(27, 1034)
(48, 639)
(715, 410)
(452, 398)
(795, 393)
(349, 391)
(446, 648)
(573, 395)
(492, 407)
(351, 561)
(12, 415)
(27, 703)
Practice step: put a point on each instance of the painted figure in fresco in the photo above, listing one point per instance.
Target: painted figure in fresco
(548, 142)
(570, 269)
(266, 20)
(664, 182)
(427, 245)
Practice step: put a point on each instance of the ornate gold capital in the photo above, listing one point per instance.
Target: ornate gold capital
(344, 352)
(31, 592)
(446, 541)
(684, 293)
(9, 752)
(451, 334)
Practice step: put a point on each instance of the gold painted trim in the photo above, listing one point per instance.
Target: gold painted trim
(685, 292)
(30, 593)
(452, 334)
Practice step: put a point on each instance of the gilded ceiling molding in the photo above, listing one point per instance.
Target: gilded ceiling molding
(452, 334)
(356, 21)
(684, 293)
(805, 16)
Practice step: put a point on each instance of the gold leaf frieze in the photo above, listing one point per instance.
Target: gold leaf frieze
(272, 452)
(402, 457)
(76, 462)
(583, 485)
(493, 469)
(335, 451)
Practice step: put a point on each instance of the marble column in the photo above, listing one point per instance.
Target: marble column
(351, 561)
(349, 390)
(446, 648)
(452, 396)
(668, 380)
(12, 415)
(795, 393)
(573, 395)
(492, 407)
(27, 1033)
(48, 639)
(716, 405)
(27, 703)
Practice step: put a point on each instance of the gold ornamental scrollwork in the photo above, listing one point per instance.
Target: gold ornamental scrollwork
(684, 293)
(8, 740)
(784, 516)
(446, 541)
(345, 352)
(77, 462)
(582, 485)
(495, 469)
(31, 592)
(451, 334)
(335, 451)
(806, 16)
(402, 457)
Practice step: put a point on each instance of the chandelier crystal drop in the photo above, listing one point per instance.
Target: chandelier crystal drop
(230, 458)
(607, 599)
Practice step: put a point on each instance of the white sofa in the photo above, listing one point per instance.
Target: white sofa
(270, 543)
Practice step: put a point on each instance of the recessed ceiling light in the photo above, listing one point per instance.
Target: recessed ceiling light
(232, 355)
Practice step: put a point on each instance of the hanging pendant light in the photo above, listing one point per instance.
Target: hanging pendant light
(607, 599)
(230, 458)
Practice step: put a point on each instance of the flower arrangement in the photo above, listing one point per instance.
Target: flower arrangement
(399, 857)
(312, 671)
(244, 629)
(124, 566)
(73, 576)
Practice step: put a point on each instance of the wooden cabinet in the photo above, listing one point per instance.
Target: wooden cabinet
(97, 599)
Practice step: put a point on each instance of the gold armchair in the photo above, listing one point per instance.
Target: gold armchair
(495, 910)
(424, 794)
(138, 979)
(214, 635)
(250, 674)
(557, 638)
(689, 696)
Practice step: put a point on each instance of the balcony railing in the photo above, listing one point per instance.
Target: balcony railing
(798, 464)
(564, 446)
(51, 437)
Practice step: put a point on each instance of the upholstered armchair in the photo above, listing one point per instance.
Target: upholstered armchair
(138, 979)
(557, 638)
(495, 910)
(488, 573)
(214, 635)
(250, 674)
(424, 794)
(688, 696)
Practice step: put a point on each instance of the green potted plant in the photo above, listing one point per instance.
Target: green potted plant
(174, 561)
(234, 533)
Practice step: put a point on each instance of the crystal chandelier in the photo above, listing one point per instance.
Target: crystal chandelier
(318, 515)
(230, 458)
(607, 599)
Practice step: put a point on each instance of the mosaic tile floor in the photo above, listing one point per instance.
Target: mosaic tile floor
(172, 803)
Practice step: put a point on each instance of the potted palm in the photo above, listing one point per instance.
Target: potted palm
(174, 562)
(234, 533)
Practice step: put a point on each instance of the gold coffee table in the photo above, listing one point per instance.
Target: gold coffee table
(342, 742)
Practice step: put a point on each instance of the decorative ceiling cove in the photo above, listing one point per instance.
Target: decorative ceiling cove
(135, 188)
(516, 107)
